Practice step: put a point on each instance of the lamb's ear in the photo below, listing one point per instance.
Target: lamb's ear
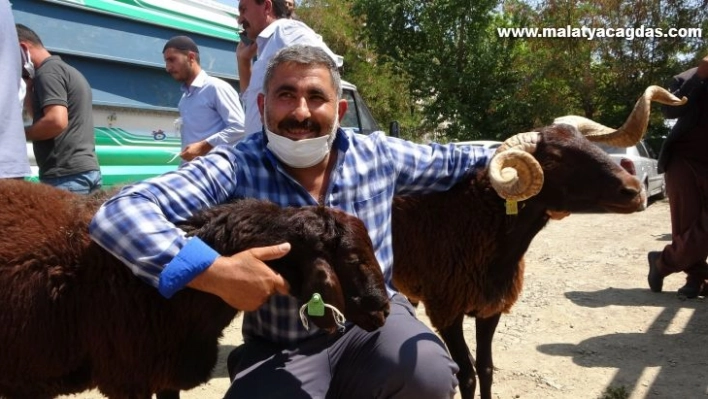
(332, 223)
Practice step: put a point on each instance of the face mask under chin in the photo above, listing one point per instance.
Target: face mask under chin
(300, 153)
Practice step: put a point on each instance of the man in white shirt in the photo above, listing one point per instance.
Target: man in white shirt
(267, 24)
(14, 163)
(210, 108)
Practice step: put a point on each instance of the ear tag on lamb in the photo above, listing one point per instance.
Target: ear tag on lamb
(316, 306)
(512, 207)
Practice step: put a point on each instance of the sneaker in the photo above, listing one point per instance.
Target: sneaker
(655, 278)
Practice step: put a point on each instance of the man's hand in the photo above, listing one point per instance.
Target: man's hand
(244, 55)
(246, 52)
(702, 71)
(243, 280)
(194, 150)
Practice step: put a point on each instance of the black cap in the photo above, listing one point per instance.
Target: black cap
(183, 43)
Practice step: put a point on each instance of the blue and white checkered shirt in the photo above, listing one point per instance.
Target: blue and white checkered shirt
(138, 227)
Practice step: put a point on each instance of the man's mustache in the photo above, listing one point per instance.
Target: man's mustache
(294, 124)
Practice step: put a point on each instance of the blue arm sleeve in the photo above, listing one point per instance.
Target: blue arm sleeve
(190, 261)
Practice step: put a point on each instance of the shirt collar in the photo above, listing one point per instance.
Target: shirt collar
(268, 31)
(198, 81)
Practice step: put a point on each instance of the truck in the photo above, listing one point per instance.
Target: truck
(117, 46)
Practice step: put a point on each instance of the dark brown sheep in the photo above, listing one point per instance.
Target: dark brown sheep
(460, 253)
(74, 317)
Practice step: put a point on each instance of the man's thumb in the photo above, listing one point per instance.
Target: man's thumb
(272, 252)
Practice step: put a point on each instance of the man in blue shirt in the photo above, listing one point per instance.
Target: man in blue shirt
(300, 158)
(210, 109)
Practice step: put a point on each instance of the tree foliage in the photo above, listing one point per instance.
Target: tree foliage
(606, 75)
(442, 69)
(380, 83)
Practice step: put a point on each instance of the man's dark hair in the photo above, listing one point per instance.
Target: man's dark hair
(184, 45)
(280, 10)
(25, 34)
(311, 56)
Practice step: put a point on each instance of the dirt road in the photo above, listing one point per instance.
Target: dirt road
(586, 320)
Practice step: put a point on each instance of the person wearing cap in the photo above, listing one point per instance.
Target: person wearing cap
(62, 132)
(269, 27)
(210, 108)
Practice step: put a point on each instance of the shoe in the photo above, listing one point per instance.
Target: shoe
(692, 289)
(695, 282)
(655, 278)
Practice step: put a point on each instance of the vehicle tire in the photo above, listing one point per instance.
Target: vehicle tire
(662, 193)
(645, 202)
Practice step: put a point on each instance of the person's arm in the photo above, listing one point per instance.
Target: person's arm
(228, 106)
(244, 58)
(138, 227)
(243, 280)
(51, 91)
(55, 118)
(194, 150)
(433, 167)
(690, 85)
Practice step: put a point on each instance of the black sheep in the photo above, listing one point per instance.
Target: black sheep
(73, 317)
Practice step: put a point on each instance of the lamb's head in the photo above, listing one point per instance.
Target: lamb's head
(344, 269)
(331, 254)
(566, 171)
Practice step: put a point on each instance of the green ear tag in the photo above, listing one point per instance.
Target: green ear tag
(316, 307)
(512, 207)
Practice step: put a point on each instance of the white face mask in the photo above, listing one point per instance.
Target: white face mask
(301, 153)
(22, 91)
(28, 65)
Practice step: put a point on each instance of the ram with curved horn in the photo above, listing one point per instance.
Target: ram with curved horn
(633, 128)
(461, 251)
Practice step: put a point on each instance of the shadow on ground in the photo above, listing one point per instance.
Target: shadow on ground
(675, 343)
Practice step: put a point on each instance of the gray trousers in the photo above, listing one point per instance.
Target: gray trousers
(402, 359)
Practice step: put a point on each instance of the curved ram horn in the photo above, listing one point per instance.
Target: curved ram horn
(513, 172)
(633, 128)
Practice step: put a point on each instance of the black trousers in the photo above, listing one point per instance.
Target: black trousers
(402, 359)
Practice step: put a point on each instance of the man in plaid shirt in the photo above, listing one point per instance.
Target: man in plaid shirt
(300, 158)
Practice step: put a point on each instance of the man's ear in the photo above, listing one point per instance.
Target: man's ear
(342, 107)
(260, 100)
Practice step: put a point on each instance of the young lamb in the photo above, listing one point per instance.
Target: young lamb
(74, 317)
(461, 253)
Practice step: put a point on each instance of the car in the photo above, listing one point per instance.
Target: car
(488, 144)
(640, 161)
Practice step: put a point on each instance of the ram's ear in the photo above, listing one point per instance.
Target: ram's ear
(321, 279)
